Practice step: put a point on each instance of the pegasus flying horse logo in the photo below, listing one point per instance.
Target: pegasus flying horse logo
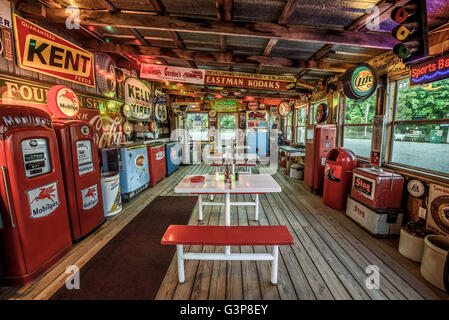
(45, 193)
(69, 95)
(91, 192)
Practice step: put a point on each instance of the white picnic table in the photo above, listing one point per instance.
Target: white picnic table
(247, 184)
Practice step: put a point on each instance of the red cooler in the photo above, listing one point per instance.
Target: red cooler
(376, 188)
(81, 169)
(338, 177)
(157, 167)
(34, 228)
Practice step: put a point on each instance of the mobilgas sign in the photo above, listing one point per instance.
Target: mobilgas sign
(138, 98)
(360, 82)
(430, 71)
(42, 51)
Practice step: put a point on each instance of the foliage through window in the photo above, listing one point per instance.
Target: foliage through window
(301, 125)
(358, 127)
(420, 127)
(197, 126)
(289, 126)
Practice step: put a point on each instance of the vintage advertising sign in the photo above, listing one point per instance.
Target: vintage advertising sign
(105, 74)
(7, 51)
(438, 217)
(249, 80)
(360, 82)
(43, 200)
(63, 102)
(5, 14)
(224, 105)
(388, 63)
(90, 197)
(44, 52)
(170, 73)
(138, 98)
(364, 185)
(430, 71)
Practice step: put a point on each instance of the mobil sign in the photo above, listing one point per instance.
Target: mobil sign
(44, 52)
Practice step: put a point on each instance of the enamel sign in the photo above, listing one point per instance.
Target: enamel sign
(138, 98)
(170, 73)
(43, 200)
(44, 52)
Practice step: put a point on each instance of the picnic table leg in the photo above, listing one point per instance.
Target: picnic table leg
(257, 208)
(180, 263)
(274, 266)
(228, 217)
(200, 205)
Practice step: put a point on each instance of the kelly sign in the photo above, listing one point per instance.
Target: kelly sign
(169, 73)
(42, 51)
(249, 80)
(430, 71)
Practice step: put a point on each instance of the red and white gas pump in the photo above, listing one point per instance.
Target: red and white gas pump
(34, 228)
(80, 164)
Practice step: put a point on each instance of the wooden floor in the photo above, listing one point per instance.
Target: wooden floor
(328, 260)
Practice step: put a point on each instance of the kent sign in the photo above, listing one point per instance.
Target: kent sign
(44, 52)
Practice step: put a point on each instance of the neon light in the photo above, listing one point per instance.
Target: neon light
(430, 77)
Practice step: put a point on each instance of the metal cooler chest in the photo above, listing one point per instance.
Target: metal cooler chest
(172, 157)
(156, 158)
(376, 188)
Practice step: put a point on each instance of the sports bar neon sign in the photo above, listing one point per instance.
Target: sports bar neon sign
(430, 71)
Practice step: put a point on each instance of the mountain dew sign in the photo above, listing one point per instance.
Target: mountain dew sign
(360, 82)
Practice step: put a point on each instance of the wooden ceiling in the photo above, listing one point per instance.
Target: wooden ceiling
(310, 39)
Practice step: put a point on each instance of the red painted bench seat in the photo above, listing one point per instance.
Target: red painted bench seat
(227, 236)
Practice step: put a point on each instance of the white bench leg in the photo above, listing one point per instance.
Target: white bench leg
(256, 217)
(211, 197)
(200, 207)
(274, 266)
(180, 263)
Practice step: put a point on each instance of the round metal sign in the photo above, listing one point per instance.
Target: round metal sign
(322, 112)
(360, 82)
(284, 109)
(416, 188)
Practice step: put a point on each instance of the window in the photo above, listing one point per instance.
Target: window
(197, 126)
(228, 126)
(301, 125)
(420, 126)
(358, 126)
(289, 124)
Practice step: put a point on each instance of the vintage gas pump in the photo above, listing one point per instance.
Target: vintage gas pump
(34, 228)
(80, 164)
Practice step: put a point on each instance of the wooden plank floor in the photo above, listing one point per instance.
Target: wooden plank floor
(328, 260)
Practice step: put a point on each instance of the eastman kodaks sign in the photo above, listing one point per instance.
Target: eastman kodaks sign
(42, 51)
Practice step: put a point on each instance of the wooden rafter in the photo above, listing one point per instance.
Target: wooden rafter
(288, 11)
(224, 9)
(255, 29)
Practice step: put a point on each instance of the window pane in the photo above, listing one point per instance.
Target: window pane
(228, 126)
(302, 116)
(289, 125)
(429, 101)
(360, 112)
(301, 135)
(197, 125)
(422, 146)
(358, 139)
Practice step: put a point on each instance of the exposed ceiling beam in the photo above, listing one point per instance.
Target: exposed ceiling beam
(224, 9)
(288, 11)
(255, 29)
(157, 6)
(215, 56)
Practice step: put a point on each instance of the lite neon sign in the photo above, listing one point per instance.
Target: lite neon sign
(430, 71)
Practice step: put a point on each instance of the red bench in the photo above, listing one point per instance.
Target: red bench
(180, 235)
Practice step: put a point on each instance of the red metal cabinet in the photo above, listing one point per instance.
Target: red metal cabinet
(319, 142)
(157, 165)
(81, 170)
(376, 188)
(34, 228)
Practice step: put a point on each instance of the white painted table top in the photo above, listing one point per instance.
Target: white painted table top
(254, 183)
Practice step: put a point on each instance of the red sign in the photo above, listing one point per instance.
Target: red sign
(63, 102)
(253, 105)
(44, 52)
(433, 70)
(363, 185)
(271, 101)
